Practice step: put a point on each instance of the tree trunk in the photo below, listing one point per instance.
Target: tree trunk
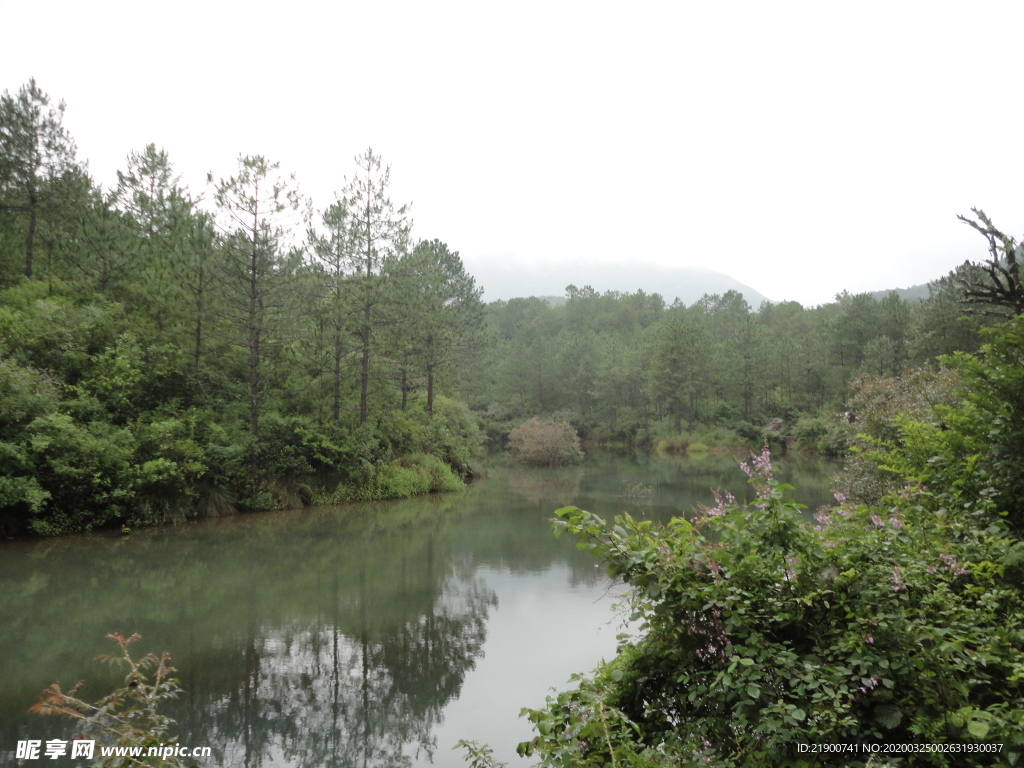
(254, 351)
(336, 409)
(430, 389)
(198, 351)
(364, 376)
(30, 238)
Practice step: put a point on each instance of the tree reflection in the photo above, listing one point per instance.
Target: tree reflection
(315, 637)
(347, 696)
(550, 488)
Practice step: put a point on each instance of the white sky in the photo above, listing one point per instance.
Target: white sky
(801, 147)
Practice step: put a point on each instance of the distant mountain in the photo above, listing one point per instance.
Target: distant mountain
(554, 301)
(508, 280)
(917, 292)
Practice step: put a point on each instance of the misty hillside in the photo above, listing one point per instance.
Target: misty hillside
(688, 284)
(917, 292)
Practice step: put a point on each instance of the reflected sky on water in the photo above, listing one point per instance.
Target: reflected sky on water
(365, 635)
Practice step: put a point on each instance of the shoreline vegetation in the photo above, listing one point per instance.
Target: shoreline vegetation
(166, 355)
(169, 354)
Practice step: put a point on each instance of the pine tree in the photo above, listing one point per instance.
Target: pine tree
(380, 237)
(336, 252)
(36, 153)
(257, 211)
(442, 310)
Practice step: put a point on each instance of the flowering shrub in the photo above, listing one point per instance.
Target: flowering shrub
(763, 630)
(544, 443)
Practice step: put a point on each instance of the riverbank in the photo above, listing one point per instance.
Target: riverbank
(270, 616)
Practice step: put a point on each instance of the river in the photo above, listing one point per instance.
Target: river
(365, 635)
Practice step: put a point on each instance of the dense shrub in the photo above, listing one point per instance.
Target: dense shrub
(825, 434)
(86, 470)
(544, 443)
(673, 445)
(762, 633)
(990, 419)
(409, 476)
(882, 405)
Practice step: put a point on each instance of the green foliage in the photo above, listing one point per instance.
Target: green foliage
(882, 405)
(957, 432)
(478, 755)
(451, 432)
(825, 434)
(991, 420)
(36, 156)
(456, 435)
(412, 475)
(676, 444)
(630, 369)
(162, 363)
(761, 632)
(544, 443)
(85, 469)
(128, 716)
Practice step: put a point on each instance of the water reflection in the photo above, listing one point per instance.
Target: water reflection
(552, 488)
(344, 636)
(328, 695)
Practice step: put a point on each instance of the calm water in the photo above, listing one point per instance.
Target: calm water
(367, 635)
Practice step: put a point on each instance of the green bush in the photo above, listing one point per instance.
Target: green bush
(440, 475)
(827, 435)
(404, 478)
(544, 443)
(882, 406)
(761, 633)
(989, 423)
(675, 445)
(85, 469)
(451, 433)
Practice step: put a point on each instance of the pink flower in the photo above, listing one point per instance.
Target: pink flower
(869, 639)
(721, 504)
(760, 467)
(949, 563)
(840, 497)
(876, 520)
(897, 580)
(910, 490)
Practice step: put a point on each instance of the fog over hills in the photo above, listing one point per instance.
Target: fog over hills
(914, 292)
(511, 280)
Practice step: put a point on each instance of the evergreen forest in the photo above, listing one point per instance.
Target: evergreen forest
(168, 354)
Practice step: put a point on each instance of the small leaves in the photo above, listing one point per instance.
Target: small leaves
(763, 633)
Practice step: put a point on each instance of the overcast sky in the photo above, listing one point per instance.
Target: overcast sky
(802, 148)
